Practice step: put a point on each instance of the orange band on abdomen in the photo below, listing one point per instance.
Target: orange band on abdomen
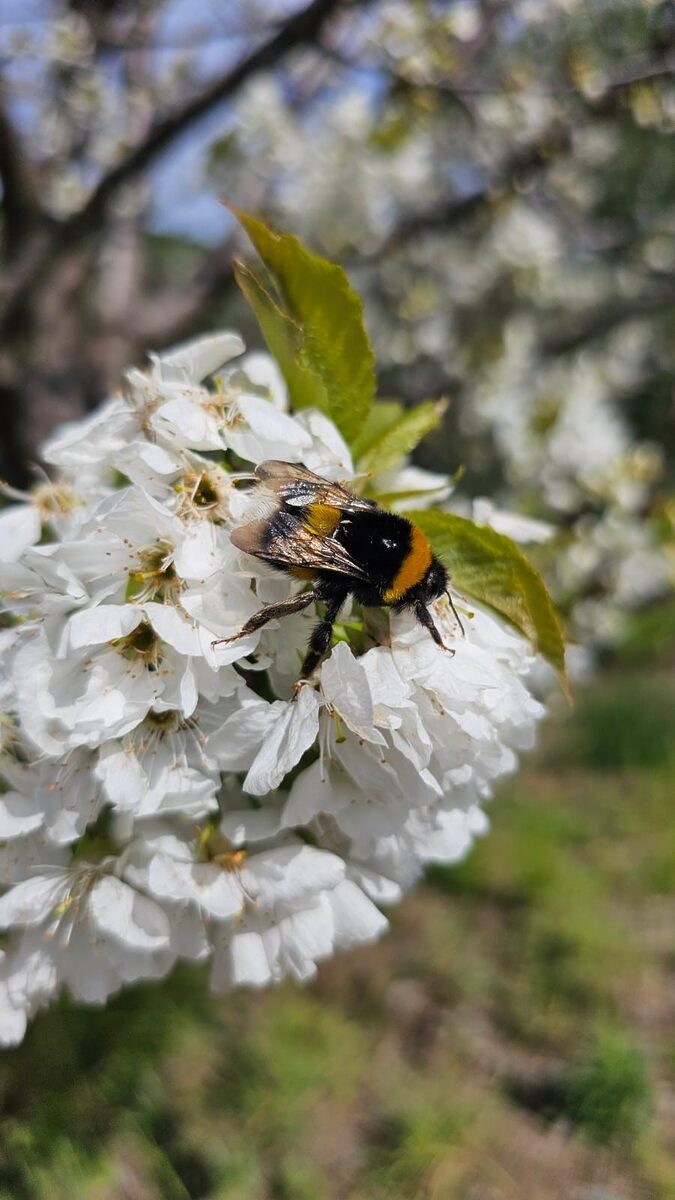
(413, 568)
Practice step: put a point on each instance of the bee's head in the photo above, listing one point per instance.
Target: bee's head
(433, 584)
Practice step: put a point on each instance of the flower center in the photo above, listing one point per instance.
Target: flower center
(164, 721)
(212, 847)
(50, 499)
(84, 876)
(142, 643)
(204, 494)
(54, 499)
(155, 578)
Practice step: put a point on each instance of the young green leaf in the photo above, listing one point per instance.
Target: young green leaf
(399, 438)
(284, 339)
(333, 350)
(383, 415)
(492, 569)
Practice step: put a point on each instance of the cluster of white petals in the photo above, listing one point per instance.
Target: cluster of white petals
(166, 799)
(560, 433)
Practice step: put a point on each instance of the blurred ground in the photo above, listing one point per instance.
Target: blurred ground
(513, 1039)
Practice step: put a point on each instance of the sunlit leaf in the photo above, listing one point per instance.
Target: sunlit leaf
(284, 340)
(316, 324)
(383, 415)
(492, 569)
(401, 437)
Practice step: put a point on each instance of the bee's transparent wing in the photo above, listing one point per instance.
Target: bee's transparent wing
(297, 486)
(288, 542)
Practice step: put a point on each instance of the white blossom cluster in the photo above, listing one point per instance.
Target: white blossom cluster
(165, 798)
(562, 437)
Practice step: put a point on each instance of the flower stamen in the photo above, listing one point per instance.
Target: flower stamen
(142, 643)
(156, 577)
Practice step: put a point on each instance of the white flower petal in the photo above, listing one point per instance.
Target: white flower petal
(293, 732)
(356, 917)
(256, 825)
(198, 555)
(19, 814)
(290, 875)
(513, 525)
(345, 688)
(13, 1019)
(267, 421)
(32, 900)
(196, 359)
(263, 372)
(123, 914)
(211, 888)
(93, 626)
(189, 420)
(175, 627)
(20, 527)
(245, 963)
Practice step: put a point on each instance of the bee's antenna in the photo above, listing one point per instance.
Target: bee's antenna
(457, 618)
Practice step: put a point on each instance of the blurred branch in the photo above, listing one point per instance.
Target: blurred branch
(608, 319)
(120, 271)
(303, 27)
(20, 204)
(518, 167)
(522, 163)
(642, 70)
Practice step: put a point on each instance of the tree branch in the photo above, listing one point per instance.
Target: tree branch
(520, 165)
(20, 204)
(604, 321)
(525, 161)
(303, 27)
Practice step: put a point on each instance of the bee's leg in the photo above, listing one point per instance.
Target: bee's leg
(424, 618)
(320, 639)
(269, 613)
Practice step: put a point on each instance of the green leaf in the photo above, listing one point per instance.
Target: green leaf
(383, 415)
(317, 323)
(492, 569)
(394, 442)
(284, 339)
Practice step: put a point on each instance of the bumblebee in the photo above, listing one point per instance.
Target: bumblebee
(319, 531)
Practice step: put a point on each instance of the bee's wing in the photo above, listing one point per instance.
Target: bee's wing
(289, 542)
(297, 486)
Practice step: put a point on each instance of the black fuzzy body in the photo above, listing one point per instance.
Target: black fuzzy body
(378, 542)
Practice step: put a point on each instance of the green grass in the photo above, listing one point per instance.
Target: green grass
(649, 634)
(609, 1094)
(518, 1010)
(629, 725)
